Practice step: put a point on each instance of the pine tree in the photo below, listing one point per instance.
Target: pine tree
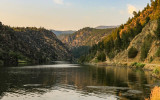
(109, 46)
(118, 42)
(1, 25)
(138, 27)
(148, 6)
(135, 14)
(154, 3)
(157, 32)
(147, 19)
(125, 40)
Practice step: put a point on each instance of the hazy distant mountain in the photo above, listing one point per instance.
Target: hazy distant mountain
(62, 32)
(105, 27)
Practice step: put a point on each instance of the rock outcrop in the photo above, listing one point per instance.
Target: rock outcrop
(137, 42)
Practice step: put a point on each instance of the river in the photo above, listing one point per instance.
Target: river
(65, 81)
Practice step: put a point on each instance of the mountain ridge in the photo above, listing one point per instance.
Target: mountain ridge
(80, 41)
(85, 37)
(121, 38)
(30, 44)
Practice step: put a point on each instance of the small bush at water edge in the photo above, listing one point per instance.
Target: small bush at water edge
(138, 65)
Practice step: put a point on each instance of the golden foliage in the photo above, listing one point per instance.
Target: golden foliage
(155, 94)
(148, 12)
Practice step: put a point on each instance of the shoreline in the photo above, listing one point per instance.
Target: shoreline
(147, 67)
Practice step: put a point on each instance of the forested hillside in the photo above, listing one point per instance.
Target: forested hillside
(80, 41)
(34, 45)
(85, 37)
(123, 37)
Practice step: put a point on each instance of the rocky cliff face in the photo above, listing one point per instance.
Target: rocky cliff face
(33, 44)
(138, 41)
(85, 37)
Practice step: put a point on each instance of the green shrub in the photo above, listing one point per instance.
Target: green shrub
(133, 64)
(86, 58)
(146, 47)
(132, 53)
(96, 60)
(82, 59)
(101, 56)
(156, 71)
(158, 52)
(157, 32)
(111, 55)
(138, 65)
(151, 59)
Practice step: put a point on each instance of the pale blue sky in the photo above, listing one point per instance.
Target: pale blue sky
(67, 14)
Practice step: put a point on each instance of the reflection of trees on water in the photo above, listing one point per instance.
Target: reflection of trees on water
(78, 78)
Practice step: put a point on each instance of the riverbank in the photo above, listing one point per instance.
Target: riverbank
(153, 68)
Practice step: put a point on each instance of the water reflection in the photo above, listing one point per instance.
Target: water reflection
(47, 82)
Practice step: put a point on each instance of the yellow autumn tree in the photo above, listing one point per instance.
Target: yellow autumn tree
(155, 94)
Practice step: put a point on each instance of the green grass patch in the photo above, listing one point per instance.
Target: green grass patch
(138, 65)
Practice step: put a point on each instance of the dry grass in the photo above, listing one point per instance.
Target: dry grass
(155, 94)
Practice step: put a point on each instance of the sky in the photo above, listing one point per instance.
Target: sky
(67, 14)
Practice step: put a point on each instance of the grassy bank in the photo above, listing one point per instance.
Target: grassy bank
(153, 68)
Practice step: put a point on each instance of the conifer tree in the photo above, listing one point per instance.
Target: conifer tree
(118, 42)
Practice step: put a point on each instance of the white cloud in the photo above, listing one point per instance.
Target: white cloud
(60, 2)
(131, 8)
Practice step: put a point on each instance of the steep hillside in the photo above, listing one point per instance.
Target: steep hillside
(137, 40)
(145, 40)
(36, 45)
(80, 41)
(85, 37)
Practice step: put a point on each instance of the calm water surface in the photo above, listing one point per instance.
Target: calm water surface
(64, 81)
